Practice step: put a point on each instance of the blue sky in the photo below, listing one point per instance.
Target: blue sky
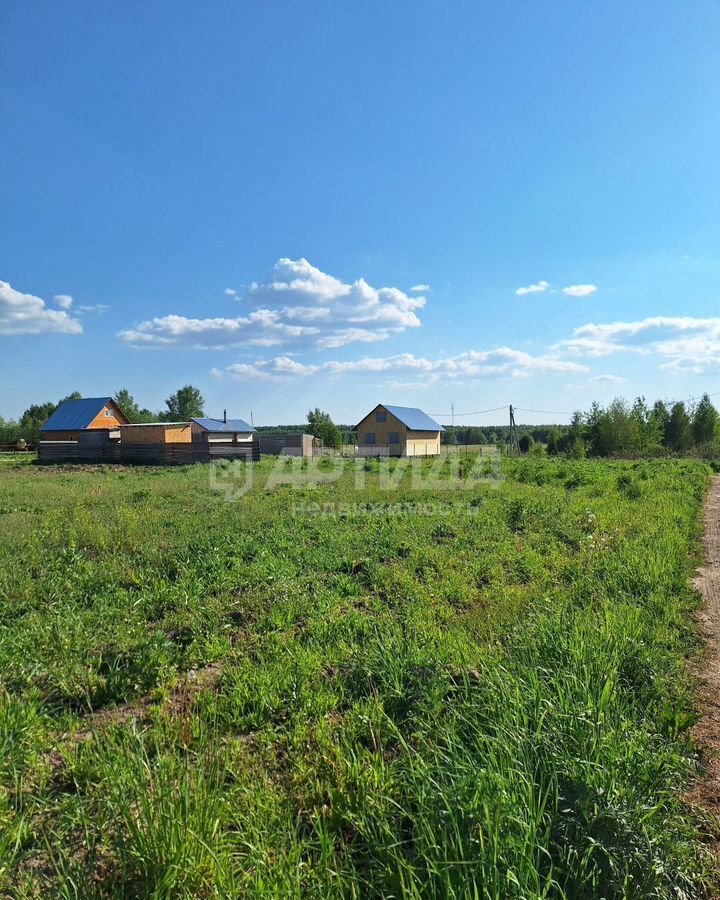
(243, 196)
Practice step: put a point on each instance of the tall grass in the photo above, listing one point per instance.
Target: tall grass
(488, 702)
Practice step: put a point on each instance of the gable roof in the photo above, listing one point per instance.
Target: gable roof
(220, 425)
(413, 419)
(74, 414)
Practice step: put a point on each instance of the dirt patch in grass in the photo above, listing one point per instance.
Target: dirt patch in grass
(194, 681)
(177, 703)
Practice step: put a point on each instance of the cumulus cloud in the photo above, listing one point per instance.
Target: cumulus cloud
(579, 290)
(463, 368)
(27, 314)
(298, 306)
(536, 288)
(684, 342)
(230, 292)
(64, 301)
(420, 289)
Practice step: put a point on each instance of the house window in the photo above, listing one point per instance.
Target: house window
(107, 413)
(370, 437)
(394, 437)
(381, 416)
(280, 441)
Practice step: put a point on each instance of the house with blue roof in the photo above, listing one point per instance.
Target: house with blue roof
(398, 431)
(74, 416)
(206, 430)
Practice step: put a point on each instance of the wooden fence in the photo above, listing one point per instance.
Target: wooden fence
(414, 448)
(142, 454)
(14, 448)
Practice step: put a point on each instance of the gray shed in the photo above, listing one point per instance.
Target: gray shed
(289, 443)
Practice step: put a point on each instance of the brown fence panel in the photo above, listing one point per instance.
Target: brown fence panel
(142, 454)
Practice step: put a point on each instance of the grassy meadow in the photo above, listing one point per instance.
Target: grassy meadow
(473, 693)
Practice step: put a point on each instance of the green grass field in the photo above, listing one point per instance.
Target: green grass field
(482, 698)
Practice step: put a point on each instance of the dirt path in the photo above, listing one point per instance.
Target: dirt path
(706, 793)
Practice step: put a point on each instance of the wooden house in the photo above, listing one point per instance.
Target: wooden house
(222, 431)
(156, 433)
(75, 416)
(155, 443)
(398, 431)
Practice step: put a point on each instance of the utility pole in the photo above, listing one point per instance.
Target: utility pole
(452, 413)
(251, 420)
(513, 432)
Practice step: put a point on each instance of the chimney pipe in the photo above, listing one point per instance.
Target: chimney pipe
(225, 416)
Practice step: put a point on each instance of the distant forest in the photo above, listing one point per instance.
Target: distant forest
(500, 434)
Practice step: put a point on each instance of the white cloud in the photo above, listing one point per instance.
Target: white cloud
(536, 288)
(230, 292)
(297, 307)
(463, 368)
(64, 301)
(684, 342)
(27, 314)
(420, 289)
(579, 290)
(246, 372)
(595, 382)
(606, 379)
(94, 308)
(572, 290)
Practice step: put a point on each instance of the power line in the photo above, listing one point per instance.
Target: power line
(478, 413)
(544, 412)
(714, 394)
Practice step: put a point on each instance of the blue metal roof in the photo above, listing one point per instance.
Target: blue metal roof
(221, 425)
(413, 418)
(73, 414)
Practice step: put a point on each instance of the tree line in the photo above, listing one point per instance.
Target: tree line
(636, 428)
(616, 429)
(498, 434)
